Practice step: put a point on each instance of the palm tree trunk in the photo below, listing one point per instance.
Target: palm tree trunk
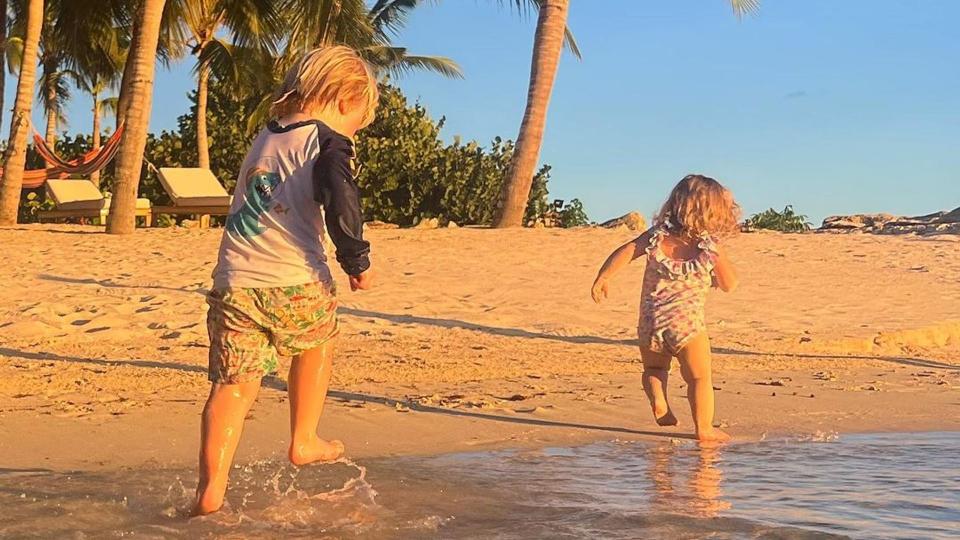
(95, 175)
(203, 148)
(15, 156)
(547, 46)
(122, 218)
(127, 76)
(3, 57)
(52, 114)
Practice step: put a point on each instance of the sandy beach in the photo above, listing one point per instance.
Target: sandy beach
(472, 339)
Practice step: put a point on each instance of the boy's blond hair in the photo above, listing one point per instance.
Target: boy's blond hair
(323, 77)
(700, 205)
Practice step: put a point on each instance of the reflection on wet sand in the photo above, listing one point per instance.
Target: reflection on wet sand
(702, 494)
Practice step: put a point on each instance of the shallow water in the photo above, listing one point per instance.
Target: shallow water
(864, 486)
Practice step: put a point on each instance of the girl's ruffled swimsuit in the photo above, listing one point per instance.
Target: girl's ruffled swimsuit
(674, 295)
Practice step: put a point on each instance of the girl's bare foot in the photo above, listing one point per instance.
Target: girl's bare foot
(714, 435)
(315, 450)
(664, 415)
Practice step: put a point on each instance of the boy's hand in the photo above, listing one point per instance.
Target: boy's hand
(363, 282)
(600, 290)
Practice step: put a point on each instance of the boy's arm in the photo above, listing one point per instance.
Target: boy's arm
(617, 260)
(336, 190)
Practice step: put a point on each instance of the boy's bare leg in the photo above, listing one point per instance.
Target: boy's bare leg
(307, 385)
(695, 359)
(221, 426)
(656, 369)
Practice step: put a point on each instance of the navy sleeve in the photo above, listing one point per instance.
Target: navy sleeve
(335, 188)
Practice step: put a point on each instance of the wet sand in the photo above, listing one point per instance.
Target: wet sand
(473, 339)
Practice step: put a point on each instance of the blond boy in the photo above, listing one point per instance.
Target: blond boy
(273, 293)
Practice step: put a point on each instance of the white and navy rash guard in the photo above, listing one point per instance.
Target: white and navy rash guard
(274, 233)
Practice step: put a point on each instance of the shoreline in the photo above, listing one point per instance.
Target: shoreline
(103, 345)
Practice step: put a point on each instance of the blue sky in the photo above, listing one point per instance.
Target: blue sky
(833, 106)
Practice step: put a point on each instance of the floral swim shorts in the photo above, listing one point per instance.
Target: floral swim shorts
(250, 328)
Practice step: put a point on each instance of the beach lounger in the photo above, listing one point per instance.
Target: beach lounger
(82, 198)
(194, 192)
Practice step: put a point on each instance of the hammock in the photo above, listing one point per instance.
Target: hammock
(88, 163)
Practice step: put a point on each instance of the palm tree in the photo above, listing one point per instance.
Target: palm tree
(128, 15)
(53, 92)
(3, 57)
(547, 46)
(250, 23)
(136, 115)
(97, 58)
(316, 23)
(548, 41)
(15, 155)
(95, 86)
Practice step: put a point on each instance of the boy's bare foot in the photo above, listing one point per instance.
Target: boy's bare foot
(315, 450)
(714, 435)
(207, 503)
(664, 415)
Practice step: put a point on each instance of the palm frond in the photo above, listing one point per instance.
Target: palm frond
(218, 56)
(570, 43)
(53, 91)
(108, 106)
(745, 7)
(396, 61)
(172, 35)
(13, 49)
(251, 22)
(390, 16)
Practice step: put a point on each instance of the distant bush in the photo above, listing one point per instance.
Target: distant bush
(573, 215)
(410, 174)
(786, 221)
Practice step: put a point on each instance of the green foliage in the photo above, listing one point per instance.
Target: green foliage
(31, 204)
(409, 172)
(785, 221)
(573, 215)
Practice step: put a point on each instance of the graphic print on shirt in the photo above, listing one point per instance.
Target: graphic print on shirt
(261, 186)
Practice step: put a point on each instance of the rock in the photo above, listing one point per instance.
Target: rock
(453, 225)
(929, 224)
(380, 225)
(427, 223)
(633, 221)
(952, 216)
(539, 224)
(867, 222)
(190, 224)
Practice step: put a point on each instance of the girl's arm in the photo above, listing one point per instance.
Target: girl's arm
(724, 275)
(617, 261)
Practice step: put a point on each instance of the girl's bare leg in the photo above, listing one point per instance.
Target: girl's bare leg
(656, 369)
(221, 426)
(307, 385)
(695, 369)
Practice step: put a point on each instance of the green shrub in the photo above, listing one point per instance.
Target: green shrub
(785, 221)
(409, 173)
(573, 215)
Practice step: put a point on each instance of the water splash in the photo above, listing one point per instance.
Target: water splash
(900, 485)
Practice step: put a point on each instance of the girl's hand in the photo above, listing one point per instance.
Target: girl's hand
(600, 290)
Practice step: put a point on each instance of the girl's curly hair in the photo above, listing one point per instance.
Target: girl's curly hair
(699, 205)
